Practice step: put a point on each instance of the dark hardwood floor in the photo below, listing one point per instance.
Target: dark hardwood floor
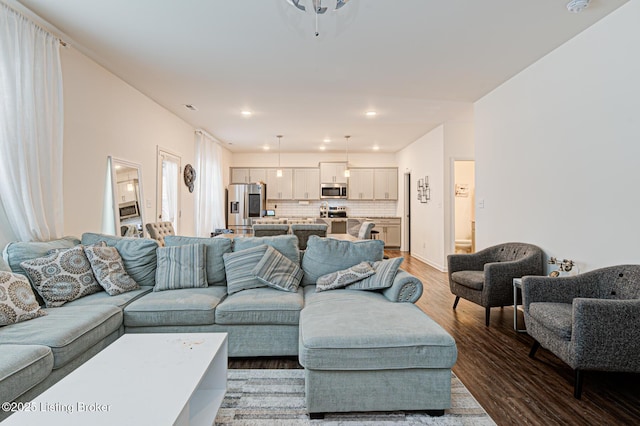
(493, 363)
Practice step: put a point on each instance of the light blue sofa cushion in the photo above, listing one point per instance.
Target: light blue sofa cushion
(386, 271)
(138, 255)
(216, 247)
(103, 298)
(275, 270)
(285, 244)
(21, 368)
(181, 267)
(326, 255)
(375, 334)
(239, 266)
(189, 306)
(17, 252)
(261, 306)
(69, 330)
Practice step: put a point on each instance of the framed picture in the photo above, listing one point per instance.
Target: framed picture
(420, 183)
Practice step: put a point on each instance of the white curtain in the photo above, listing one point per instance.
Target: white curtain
(31, 128)
(170, 170)
(209, 188)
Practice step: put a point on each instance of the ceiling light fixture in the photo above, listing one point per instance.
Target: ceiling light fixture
(376, 148)
(317, 7)
(246, 113)
(322, 148)
(347, 172)
(577, 6)
(371, 113)
(279, 170)
(326, 140)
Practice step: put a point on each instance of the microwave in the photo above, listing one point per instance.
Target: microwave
(129, 210)
(333, 190)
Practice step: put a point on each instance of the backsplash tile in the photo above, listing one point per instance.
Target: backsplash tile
(354, 208)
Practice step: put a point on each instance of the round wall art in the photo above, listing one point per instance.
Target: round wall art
(189, 176)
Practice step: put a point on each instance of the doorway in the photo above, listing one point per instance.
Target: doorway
(168, 188)
(407, 212)
(464, 206)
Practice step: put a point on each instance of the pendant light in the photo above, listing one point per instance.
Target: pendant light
(279, 170)
(347, 173)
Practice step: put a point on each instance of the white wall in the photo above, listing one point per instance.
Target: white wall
(423, 158)
(464, 174)
(557, 149)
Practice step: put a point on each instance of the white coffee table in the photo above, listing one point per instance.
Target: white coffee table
(140, 379)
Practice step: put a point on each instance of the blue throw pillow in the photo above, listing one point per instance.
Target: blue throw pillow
(239, 268)
(181, 267)
(216, 247)
(386, 271)
(276, 271)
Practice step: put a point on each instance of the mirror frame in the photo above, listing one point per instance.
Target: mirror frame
(114, 192)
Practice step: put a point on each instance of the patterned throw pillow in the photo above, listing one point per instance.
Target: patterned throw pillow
(17, 301)
(62, 275)
(386, 271)
(276, 271)
(239, 268)
(108, 269)
(341, 279)
(181, 267)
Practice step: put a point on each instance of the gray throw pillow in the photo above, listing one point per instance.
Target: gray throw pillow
(17, 301)
(276, 271)
(181, 267)
(386, 271)
(239, 268)
(341, 279)
(62, 276)
(108, 269)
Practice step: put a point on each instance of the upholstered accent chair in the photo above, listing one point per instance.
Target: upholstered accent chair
(304, 231)
(364, 233)
(590, 321)
(159, 230)
(269, 230)
(486, 277)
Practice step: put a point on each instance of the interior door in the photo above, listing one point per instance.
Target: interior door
(168, 188)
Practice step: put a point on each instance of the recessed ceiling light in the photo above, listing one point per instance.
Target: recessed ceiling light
(371, 114)
(322, 147)
(326, 140)
(246, 113)
(266, 147)
(376, 147)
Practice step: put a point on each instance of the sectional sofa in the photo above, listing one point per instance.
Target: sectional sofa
(365, 349)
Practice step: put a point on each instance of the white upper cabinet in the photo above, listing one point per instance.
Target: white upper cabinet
(279, 188)
(386, 184)
(333, 172)
(246, 175)
(306, 184)
(361, 184)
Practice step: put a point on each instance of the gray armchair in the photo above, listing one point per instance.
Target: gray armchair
(486, 277)
(590, 321)
(269, 230)
(304, 230)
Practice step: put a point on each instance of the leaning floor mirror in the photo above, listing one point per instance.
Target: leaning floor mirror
(126, 196)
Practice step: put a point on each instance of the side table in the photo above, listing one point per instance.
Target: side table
(517, 286)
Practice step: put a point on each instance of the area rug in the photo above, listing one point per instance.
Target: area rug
(276, 397)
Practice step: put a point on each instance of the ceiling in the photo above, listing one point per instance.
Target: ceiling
(417, 63)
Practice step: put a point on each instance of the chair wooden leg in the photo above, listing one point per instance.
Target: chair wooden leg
(577, 387)
(487, 313)
(534, 348)
(456, 302)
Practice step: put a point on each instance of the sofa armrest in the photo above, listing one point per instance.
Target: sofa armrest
(606, 334)
(405, 288)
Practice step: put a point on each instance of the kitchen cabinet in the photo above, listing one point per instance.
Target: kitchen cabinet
(386, 184)
(306, 184)
(127, 191)
(361, 184)
(389, 231)
(279, 188)
(247, 175)
(333, 172)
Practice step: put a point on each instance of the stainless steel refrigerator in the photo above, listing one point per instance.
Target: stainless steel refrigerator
(245, 202)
